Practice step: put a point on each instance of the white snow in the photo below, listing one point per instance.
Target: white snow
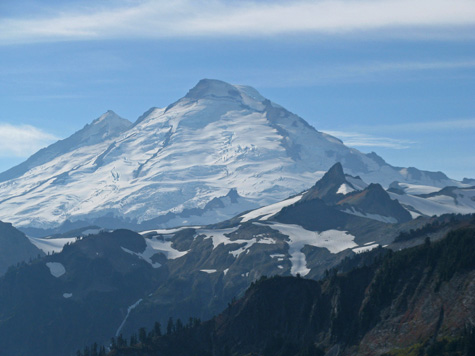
(129, 309)
(440, 204)
(156, 245)
(225, 272)
(209, 271)
(344, 189)
(49, 246)
(334, 241)
(56, 269)
(382, 218)
(182, 158)
(365, 248)
(67, 295)
(356, 182)
(415, 189)
(142, 256)
(218, 237)
(413, 214)
(270, 210)
(167, 231)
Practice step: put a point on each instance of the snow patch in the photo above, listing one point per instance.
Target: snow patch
(439, 204)
(334, 241)
(365, 248)
(377, 217)
(167, 231)
(154, 246)
(129, 309)
(67, 295)
(49, 246)
(415, 189)
(209, 271)
(344, 189)
(270, 210)
(218, 237)
(56, 269)
(356, 182)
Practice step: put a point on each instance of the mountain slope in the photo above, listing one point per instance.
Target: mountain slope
(418, 299)
(55, 304)
(15, 247)
(106, 126)
(111, 283)
(173, 161)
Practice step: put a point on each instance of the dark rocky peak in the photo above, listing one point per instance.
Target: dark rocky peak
(396, 188)
(469, 181)
(376, 201)
(233, 195)
(327, 187)
(447, 191)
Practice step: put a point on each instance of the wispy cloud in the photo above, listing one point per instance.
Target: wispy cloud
(427, 126)
(185, 18)
(354, 72)
(375, 135)
(22, 140)
(356, 139)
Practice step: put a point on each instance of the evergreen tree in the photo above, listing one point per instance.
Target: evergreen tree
(121, 342)
(133, 340)
(170, 326)
(94, 349)
(102, 351)
(157, 329)
(142, 336)
(179, 325)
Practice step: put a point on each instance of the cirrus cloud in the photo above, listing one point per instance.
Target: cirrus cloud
(218, 18)
(356, 139)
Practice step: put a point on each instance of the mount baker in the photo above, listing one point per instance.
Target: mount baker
(220, 150)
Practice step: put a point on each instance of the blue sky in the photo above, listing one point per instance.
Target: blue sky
(392, 76)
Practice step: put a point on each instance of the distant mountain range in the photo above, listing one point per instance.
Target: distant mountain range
(112, 283)
(220, 150)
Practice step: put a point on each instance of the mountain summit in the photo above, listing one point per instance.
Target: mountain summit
(108, 125)
(167, 166)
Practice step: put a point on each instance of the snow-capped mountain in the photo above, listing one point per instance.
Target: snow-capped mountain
(428, 201)
(105, 127)
(214, 153)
